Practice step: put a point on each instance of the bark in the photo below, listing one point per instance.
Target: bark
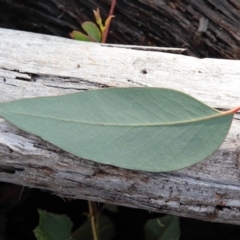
(38, 65)
(208, 28)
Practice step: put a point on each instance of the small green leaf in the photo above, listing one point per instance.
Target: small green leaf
(107, 22)
(150, 129)
(53, 227)
(106, 230)
(92, 30)
(80, 36)
(163, 228)
(99, 20)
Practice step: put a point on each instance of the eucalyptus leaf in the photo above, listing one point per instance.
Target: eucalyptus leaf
(106, 230)
(163, 228)
(151, 129)
(53, 227)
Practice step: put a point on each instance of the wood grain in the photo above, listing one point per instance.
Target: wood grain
(38, 65)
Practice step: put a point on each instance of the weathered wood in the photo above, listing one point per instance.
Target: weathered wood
(38, 65)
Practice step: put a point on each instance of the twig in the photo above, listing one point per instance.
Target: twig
(92, 219)
(113, 4)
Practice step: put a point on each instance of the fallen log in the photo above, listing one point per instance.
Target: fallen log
(34, 65)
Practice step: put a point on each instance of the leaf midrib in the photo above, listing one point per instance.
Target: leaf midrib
(129, 125)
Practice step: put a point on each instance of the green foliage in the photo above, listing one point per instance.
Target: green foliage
(58, 227)
(80, 36)
(105, 227)
(151, 129)
(53, 227)
(164, 228)
(91, 29)
(94, 33)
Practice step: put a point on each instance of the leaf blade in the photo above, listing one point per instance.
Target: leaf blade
(53, 226)
(80, 36)
(163, 228)
(92, 30)
(106, 230)
(135, 128)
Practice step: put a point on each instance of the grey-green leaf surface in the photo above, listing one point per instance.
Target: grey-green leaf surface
(53, 227)
(163, 228)
(150, 129)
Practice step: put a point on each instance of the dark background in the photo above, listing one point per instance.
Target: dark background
(170, 23)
